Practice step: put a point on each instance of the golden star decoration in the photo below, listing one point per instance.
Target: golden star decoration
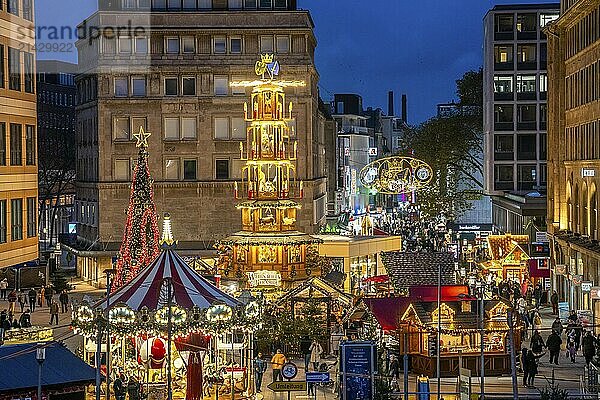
(142, 137)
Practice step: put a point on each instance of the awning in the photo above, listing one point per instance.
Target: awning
(377, 279)
(387, 310)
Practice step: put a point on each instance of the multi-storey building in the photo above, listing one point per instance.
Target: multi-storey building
(354, 141)
(574, 149)
(18, 155)
(57, 96)
(166, 65)
(515, 90)
(395, 127)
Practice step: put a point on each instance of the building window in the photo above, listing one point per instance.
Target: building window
(221, 128)
(138, 86)
(503, 117)
(2, 70)
(137, 122)
(526, 87)
(221, 86)
(189, 86)
(171, 86)
(2, 143)
(31, 217)
(235, 45)
(234, 4)
(238, 90)
(545, 19)
(171, 128)
(122, 170)
(172, 169)
(249, 3)
(28, 10)
(526, 147)
(159, 4)
(189, 4)
(125, 45)
(526, 177)
(266, 44)
(128, 4)
(12, 6)
(16, 146)
(16, 217)
(222, 169)
(29, 73)
(526, 54)
(543, 146)
(188, 128)
(121, 87)
(238, 128)
(503, 57)
(503, 22)
(503, 147)
(14, 69)
(503, 84)
(121, 128)
(526, 22)
(189, 170)
(266, 3)
(283, 44)
(189, 44)
(503, 177)
(280, 3)
(220, 45)
(205, 4)
(141, 45)
(3, 228)
(174, 4)
(172, 45)
(543, 117)
(526, 116)
(30, 145)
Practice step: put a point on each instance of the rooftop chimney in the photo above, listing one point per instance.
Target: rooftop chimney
(390, 103)
(404, 117)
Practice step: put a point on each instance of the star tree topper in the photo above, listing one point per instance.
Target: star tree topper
(142, 138)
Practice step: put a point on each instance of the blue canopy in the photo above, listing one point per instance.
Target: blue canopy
(19, 367)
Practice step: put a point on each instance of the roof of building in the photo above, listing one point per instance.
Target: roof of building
(517, 7)
(418, 269)
(499, 246)
(61, 368)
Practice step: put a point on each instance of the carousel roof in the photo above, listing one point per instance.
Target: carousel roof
(270, 238)
(150, 288)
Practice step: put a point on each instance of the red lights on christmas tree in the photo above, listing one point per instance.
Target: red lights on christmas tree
(141, 237)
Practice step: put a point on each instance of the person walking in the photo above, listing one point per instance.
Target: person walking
(260, 367)
(133, 389)
(571, 349)
(12, 300)
(554, 301)
(315, 354)
(537, 343)
(3, 319)
(589, 347)
(532, 369)
(25, 319)
(557, 326)
(537, 295)
(553, 344)
(64, 301)
(118, 384)
(3, 288)
(21, 300)
(305, 349)
(41, 294)
(48, 294)
(277, 363)
(394, 368)
(53, 312)
(32, 294)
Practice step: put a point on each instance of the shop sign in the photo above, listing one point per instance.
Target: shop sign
(353, 186)
(357, 369)
(560, 269)
(595, 293)
(541, 237)
(547, 283)
(264, 278)
(577, 279)
(373, 151)
(588, 172)
(347, 151)
(586, 287)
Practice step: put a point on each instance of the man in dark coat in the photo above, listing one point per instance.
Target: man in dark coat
(557, 326)
(553, 344)
(554, 301)
(588, 346)
(119, 387)
(537, 343)
(32, 295)
(531, 369)
(25, 319)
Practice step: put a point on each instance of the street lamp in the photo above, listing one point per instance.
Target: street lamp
(40, 356)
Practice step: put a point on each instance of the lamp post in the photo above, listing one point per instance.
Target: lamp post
(40, 356)
(109, 273)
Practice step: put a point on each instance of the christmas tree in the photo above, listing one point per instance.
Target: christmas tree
(140, 239)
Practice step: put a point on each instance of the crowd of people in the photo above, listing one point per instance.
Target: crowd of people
(28, 301)
(417, 235)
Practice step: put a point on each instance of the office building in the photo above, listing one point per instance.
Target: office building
(515, 86)
(170, 74)
(574, 150)
(18, 153)
(57, 96)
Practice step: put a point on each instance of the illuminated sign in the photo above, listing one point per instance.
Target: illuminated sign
(264, 278)
(353, 184)
(347, 151)
(396, 175)
(588, 173)
(373, 151)
(586, 287)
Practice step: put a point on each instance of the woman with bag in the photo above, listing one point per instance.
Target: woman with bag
(315, 354)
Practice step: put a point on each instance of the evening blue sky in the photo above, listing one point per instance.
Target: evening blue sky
(367, 47)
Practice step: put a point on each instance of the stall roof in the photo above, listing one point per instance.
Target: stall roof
(500, 245)
(319, 288)
(61, 368)
(448, 293)
(387, 310)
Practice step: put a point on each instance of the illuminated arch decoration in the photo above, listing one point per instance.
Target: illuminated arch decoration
(396, 175)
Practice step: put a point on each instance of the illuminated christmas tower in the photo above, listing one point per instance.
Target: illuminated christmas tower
(269, 240)
(141, 237)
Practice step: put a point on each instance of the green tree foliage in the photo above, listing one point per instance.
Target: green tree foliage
(453, 146)
(60, 282)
